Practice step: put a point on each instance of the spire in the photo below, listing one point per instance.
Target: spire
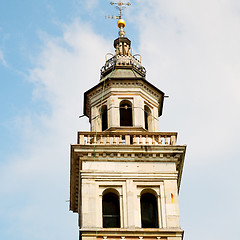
(121, 24)
(120, 6)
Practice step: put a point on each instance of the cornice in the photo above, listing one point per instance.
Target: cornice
(121, 153)
(97, 91)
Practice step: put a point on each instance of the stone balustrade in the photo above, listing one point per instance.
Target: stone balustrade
(131, 238)
(127, 138)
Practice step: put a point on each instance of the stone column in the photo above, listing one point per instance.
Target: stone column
(96, 124)
(88, 204)
(113, 112)
(138, 112)
(130, 203)
(172, 210)
(154, 120)
(124, 210)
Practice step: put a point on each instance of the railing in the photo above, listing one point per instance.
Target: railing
(109, 63)
(127, 138)
(123, 60)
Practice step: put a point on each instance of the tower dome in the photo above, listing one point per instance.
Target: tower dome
(122, 80)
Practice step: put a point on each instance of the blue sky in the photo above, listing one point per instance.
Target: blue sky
(51, 52)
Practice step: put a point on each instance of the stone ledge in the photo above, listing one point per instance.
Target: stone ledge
(132, 232)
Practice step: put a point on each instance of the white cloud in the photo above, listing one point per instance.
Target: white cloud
(91, 4)
(191, 51)
(39, 177)
(193, 55)
(88, 5)
(2, 59)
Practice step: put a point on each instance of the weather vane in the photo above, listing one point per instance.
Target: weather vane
(121, 23)
(119, 6)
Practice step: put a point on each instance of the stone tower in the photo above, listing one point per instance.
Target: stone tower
(125, 174)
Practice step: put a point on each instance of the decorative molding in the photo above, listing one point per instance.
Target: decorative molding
(120, 84)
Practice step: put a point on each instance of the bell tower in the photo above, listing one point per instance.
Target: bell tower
(125, 173)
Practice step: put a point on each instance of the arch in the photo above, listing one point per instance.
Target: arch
(104, 117)
(126, 113)
(111, 209)
(147, 117)
(149, 190)
(149, 209)
(112, 190)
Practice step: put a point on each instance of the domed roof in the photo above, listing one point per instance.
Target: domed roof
(122, 64)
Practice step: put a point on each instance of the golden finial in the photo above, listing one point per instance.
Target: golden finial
(121, 23)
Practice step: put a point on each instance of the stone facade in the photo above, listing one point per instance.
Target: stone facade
(138, 92)
(126, 159)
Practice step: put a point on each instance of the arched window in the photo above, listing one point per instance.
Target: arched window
(147, 115)
(104, 118)
(111, 210)
(126, 114)
(149, 211)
